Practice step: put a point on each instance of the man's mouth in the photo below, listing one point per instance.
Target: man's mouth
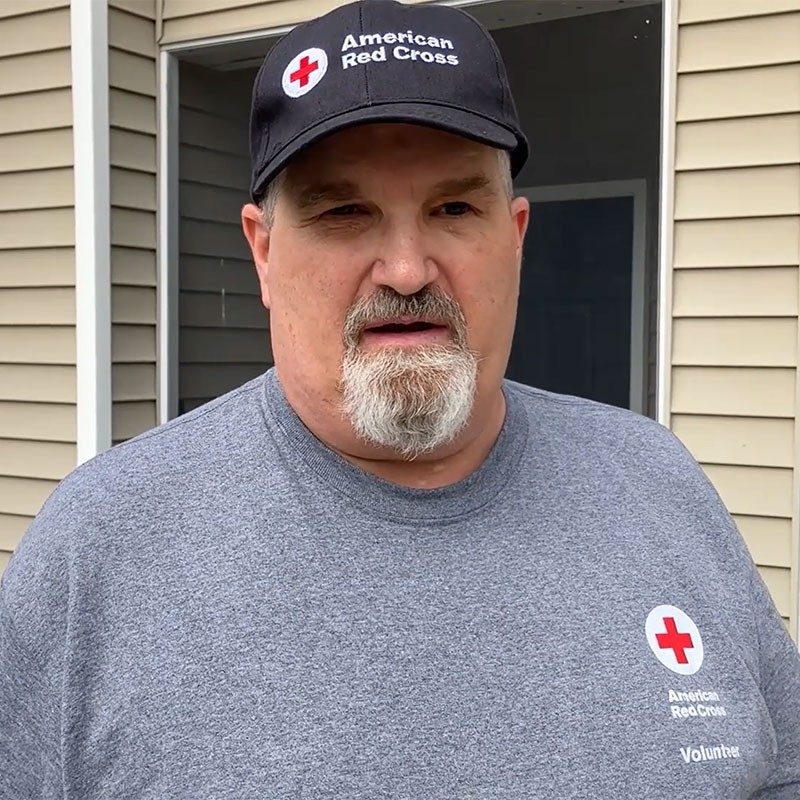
(405, 331)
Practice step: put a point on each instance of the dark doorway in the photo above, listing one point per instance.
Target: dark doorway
(573, 332)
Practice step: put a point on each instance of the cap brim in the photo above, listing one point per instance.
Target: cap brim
(453, 120)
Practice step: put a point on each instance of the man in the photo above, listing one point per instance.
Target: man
(379, 570)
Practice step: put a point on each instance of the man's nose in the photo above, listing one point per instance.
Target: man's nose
(404, 261)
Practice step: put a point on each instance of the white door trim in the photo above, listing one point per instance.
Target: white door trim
(168, 225)
(637, 189)
(669, 74)
(91, 167)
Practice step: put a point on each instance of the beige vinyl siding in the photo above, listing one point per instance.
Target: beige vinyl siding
(223, 340)
(37, 262)
(736, 280)
(132, 111)
(197, 19)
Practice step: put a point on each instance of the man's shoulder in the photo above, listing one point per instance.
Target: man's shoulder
(201, 437)
(592, 416)
(167, 460)
(587, 430)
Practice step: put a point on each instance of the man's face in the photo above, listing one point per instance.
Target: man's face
(391, 271)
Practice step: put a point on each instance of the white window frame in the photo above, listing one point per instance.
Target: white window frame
(637, 189)
(168, 219)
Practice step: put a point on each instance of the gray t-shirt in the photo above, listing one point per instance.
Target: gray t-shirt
(224, 608)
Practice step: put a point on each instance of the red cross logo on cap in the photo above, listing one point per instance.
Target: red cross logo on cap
(304, 72)
(674, 639)
(306, 68)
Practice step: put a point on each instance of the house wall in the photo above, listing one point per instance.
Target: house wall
(736, 254)
(223, 337)
(132, 111)
(37, 263)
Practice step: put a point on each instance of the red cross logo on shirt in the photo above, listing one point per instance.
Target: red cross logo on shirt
(306, 68)
(679, 643)
(674, 639)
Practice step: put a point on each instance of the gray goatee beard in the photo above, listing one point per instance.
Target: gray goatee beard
(409, 399)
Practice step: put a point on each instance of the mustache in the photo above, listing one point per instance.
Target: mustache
(386, 303)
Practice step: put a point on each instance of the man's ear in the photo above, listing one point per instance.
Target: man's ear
(521, 214)
(258, 238)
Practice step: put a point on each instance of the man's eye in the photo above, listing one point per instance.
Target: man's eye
(344, 211)
(455, 209)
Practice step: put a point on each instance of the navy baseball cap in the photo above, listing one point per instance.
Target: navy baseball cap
(380, 61)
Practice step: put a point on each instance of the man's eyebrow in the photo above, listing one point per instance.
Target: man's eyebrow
(452, 186)
(314, 194)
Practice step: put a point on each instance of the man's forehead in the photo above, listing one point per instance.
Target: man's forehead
(345, 163)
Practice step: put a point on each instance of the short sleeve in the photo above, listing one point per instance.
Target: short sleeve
(780, 686)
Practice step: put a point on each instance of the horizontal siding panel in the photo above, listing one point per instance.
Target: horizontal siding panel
(212, 92)
(131, 72)
(212, 203)
(183, 8)
(51, 460)
(706, 10)
(757, 491)
(133, 344)
(739, 391)
(203, 273)
(133, 305)
(746, 292)
(131, 189)
(131, 33)
(215, 169)
(35, 112)
(131, 419)
(36, 72)
(215, 310)
(4, 559)
(263, 15)
(37, 345)
(220, 241)
(735, 342)
(143, 8)
(42, 267)
(133, 267)
(757, 192)
(133, 382)
(49, 188)
(738, 142)
(745, 441)
(12, 529)
(131, 228)
(37, 384)
(17, 8)
(132, 112)
(132, 150)
(779, 582)
(24, 496)
(212, 132)
(40, 228)
(737, 243)
(198, 382)
(772, 39)
(52, 422)
(36, 150)
(738, 93)
(47, 30)
(223, 345)
(769, 539)
(37, 306)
